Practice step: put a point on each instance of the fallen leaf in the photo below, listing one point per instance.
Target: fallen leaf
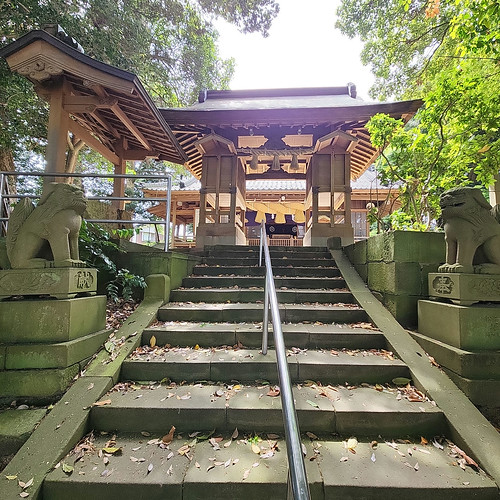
(167, 438)
(373, 458)
(150, 468)
(102, 403)
(10, 478)
(152, 341)
(437, 445)
(210, 467)
(112, 450)
(374, 445)
(351, 443)
(401, 381)
(91, 386)
(423, 441)
(184, 450)
(106, 472)
(24, 494)
(246, 474)
(272, 436)
(311, 435)
(170, 470)
(344, 459)
(255, 464)
(227, 463)
(146, 433)
(468, 460)
(416, 466)
(170, 455)
(197, 465)
(312, 403)
(67, 469)
(227, 444)
(273, 392)
(234, 435)
(255, 449)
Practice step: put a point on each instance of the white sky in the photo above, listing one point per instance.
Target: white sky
(303, 49)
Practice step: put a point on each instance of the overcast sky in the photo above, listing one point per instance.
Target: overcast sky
(303, 49)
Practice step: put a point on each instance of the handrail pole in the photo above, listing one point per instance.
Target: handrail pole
(265, 321)
(168, 204)
(1, 199)
(296, 465)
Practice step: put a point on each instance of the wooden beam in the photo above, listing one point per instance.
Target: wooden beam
(139, 154)
(120, 114)
(92, 142)
(57, 132)
(98, 118)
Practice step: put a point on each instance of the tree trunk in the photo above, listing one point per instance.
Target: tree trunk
(7, 165)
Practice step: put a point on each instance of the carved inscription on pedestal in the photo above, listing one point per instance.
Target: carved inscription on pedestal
(443, 285)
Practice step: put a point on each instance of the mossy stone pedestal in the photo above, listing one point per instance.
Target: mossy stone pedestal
(464, 336)
(45, 342)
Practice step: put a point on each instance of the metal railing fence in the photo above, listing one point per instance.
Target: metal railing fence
(4, 195)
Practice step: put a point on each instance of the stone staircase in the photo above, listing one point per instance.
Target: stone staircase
(367, 432)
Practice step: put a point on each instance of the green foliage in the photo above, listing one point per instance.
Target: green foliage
(97, 249)
(446, 52)
(169, 44)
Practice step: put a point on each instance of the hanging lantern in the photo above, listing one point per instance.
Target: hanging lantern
(276, 163)
(294, 165)
(254, 162)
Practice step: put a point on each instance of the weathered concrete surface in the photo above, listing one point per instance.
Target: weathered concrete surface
(16, 427)
(469, 429)
(35, 320)
(56, 434)
(474, 365)
(58, 355)
(464, 288)
(473, 328)
(237, 472)
(56, 282)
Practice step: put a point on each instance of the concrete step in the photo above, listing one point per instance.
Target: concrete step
(257, 281)
(359, 411)
(240, 312)
(305, 336)
(245, 295)
(287, 271)
(190, 468)
(275, 261)
(247, 365)
(226, 249)
(274, 253)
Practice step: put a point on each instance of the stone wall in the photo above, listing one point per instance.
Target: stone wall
(395, 266)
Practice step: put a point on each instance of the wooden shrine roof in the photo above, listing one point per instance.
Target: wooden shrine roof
(315, 111)
(110, 109)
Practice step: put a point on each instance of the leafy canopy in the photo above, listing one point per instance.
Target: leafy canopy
(447, 53)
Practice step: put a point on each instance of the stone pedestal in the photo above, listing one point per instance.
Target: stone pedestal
(464, 336)
(56, 282)
(45, 342)
(465, 289)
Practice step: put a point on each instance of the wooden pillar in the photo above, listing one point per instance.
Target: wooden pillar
(57, 135)
(119, 184)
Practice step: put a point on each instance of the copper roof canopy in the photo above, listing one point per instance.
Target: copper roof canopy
(109, 107)
(278, 113)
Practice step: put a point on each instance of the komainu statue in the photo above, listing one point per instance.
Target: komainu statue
(51, 227)
(472, 232)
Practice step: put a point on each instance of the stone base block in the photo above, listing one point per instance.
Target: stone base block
(46, 321)
(55, 282)
(465, 289)
(38, 385)
(480, 392)
(472, 328)
(58, 355)
(472, 365)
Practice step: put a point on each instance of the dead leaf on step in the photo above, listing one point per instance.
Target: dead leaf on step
(311, 435)
(102, 403)
(150, 468)
(112, 450)
(273, 391)
(24, 494)
(312, 403)
(255, 449)
(246, 474)
(468, 460)
(152, 341)
(167, 438)
(234, 435)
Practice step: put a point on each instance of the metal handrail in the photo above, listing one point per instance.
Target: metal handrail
(167, 200)
(298, 487)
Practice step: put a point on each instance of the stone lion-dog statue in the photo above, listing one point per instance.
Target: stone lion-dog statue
(472, 232)
(54, 224)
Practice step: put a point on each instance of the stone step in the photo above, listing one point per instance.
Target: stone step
(245, 295)
(308, 336)
(275, 262)
(246, 365)
(193, 469)
(275, 254)
(359, 411)
(288, 271)
(275, 250)
(240, 312)
(257, 281)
